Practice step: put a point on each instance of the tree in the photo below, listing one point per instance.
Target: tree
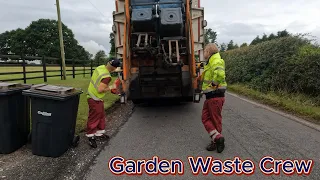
(100, 57)
(210, 36)
(264, 38)
(283, 33)
(41, 38)
(256, 41)
(89, 55)
(272, 36)
(112, 45)
(230, 45)
(223, 47)
(244, 45)
(6, 42)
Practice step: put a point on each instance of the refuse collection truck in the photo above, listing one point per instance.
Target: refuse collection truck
(157, 41)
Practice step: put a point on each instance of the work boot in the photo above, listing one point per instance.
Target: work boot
(211, 147)
(103, 137)
(92, 142)
(220, 144)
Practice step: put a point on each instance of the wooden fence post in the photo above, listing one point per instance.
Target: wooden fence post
(61, 73)
(24, 69)
(91, 66)
(73, 69)
(44, 69)
(84, 70)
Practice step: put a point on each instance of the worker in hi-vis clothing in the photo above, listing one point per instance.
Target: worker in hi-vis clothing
(99, 85)
(213, 86)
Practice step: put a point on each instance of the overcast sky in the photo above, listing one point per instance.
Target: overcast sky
(240, 21)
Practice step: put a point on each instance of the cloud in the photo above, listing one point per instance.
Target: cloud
(240, 21)
(91, 26)
(93, 47)
(238, 32)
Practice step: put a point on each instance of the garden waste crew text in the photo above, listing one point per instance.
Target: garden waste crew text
(209, 165)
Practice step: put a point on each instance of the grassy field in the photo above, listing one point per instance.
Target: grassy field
(78, 82)
(297, 104)
(32, 68)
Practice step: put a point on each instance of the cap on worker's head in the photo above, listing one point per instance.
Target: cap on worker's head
(115, 62)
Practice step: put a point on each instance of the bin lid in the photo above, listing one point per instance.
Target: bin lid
(10, 87)
(52, 91)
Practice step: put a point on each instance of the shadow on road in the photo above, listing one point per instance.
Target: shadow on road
(162, 103)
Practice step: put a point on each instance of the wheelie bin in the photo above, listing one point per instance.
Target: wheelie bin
(14, 117)
(54, 112)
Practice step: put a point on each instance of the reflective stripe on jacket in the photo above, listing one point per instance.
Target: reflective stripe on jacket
(214, 72)
(99, 73)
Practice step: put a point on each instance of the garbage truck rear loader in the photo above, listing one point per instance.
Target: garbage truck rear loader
(157, 41)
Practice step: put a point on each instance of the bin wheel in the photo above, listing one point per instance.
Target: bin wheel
(75, 141)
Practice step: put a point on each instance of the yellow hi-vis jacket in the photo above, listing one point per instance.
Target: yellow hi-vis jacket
(99, 73)
(214, 73)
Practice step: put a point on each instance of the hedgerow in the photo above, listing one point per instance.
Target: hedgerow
(290, 64)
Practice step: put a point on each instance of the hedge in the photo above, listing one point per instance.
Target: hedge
(290, 64)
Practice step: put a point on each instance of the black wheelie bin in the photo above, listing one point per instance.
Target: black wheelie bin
(54, 112)
(14, 117)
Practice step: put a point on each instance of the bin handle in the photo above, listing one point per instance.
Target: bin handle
(79, 89)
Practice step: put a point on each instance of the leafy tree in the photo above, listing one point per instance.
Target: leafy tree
(100, 57)
(5, 42)
(89, 55)
(223, 47)
(264, 38)
(256, 41)
(230, 45)
(283, 33)
(272, 36)
(41, 38)
(210, 36)
(112, 44)
(244, 45)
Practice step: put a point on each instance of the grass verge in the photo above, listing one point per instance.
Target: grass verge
(296, 104)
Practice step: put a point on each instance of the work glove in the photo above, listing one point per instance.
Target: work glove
(116, 87)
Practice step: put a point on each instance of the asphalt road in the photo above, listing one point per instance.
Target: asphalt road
(176, 132)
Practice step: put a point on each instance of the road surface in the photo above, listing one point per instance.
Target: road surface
(176, 132)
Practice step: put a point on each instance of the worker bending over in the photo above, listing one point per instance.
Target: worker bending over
(98, 86)
(213, 86)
